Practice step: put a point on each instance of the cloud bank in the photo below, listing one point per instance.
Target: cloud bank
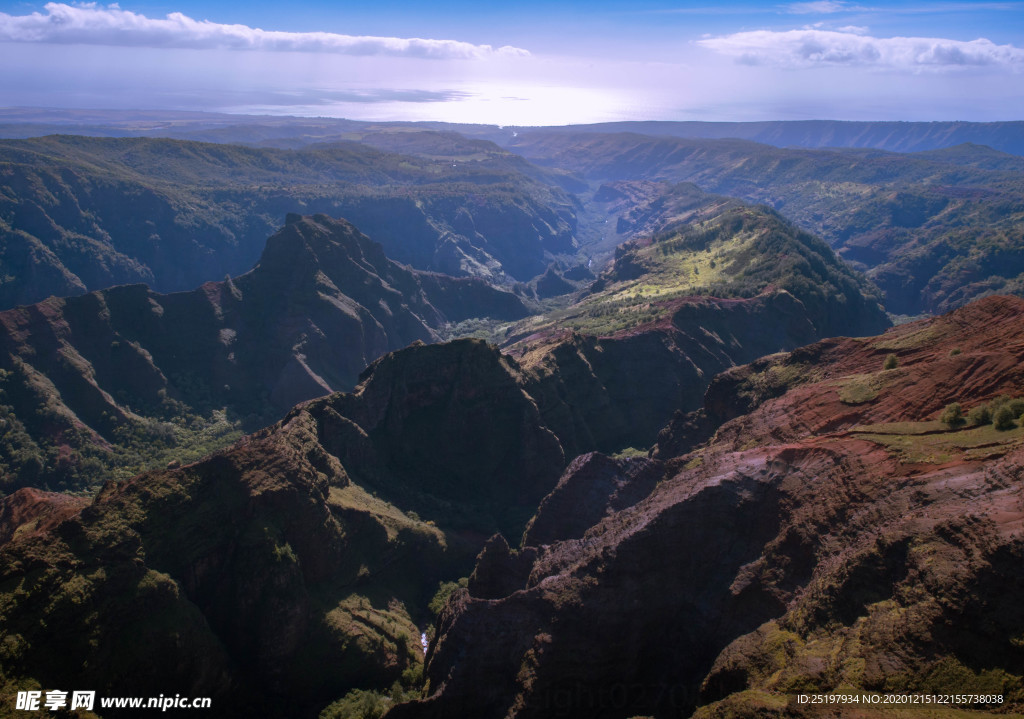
(89, 24)
(812, 47)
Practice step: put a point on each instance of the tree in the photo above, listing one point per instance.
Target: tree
(1017, 407)
(980, 415)
(1003, 418)
(952, 415)
(891, 362)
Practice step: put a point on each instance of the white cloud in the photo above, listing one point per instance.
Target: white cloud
(89, 24)
(810, 47)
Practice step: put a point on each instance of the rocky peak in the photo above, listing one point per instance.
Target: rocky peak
(500, 571)
(452, 422)
(323, 302)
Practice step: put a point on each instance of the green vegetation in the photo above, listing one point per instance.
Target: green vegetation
(859, 390)
(79, 460)
(444, 591)
(891, 362)
(1014, 405)
(398, 525)
(773, 376)
(734, 251)
(1002, 411)
(950, 675)
(1003, 418)
(952, 415)
(980, 415)
(915, 339)
(372, 704)
(932, 234)
(488, 329)
(924, 442)
(863, 388)
(360, 704)
(630, 453)
(174, 214)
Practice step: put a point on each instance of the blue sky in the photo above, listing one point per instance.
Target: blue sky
(522, 63)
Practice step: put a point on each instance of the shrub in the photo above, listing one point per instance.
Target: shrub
(1017, 407)
(891, 362)
(445, 590)
(1001, 400)
(1003, 418)
(953, 415)
(371, 704)
(358, 704)
(954, 352)
(980, 415)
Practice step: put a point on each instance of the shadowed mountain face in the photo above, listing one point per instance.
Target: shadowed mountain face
(803, 523)
(123, 378)
(80, 214)
(273, 576)
(831, 534)
(296, 565)
(324, 301)
(262, 576)
(128, 366)
(615, 392)
(723, 283)
(933, 230)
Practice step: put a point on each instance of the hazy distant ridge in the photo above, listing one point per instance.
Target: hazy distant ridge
(297, 131)
(893, 136)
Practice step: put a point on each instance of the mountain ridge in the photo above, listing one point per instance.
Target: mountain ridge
(900, 136)
(440, 445)
(80, 213)
(858, 568)
(932, 233)
(88, 372)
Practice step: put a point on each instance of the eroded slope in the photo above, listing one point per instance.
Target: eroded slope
(800, 549)
(125, 376)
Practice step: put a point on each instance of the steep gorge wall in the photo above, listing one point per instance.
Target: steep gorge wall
(826, 537)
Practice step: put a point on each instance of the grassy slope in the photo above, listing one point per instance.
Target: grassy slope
(723, 249)
(934, 230)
